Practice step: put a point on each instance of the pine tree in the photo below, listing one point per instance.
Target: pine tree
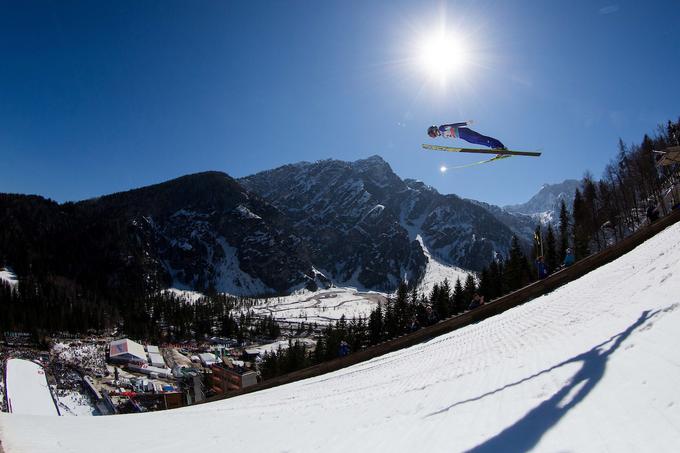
(442, 304)
(517, 271)
(564, 231)
(413, 300)
(359, 335)
(320, 350)
(458, 297)
(551, 257)
(401, 309)
(434, 299)
(496, 287)
(485, 285)
(591, 208)
(469, 289)
(270, 365)
(581, 233)
(375, 325)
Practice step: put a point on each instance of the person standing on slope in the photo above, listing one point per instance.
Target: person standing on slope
(569, 258)
(541, 267)
(460, 130)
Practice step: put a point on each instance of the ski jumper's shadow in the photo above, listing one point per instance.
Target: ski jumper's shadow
(526, 432)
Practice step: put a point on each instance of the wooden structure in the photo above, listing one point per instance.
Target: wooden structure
(228, 379)
(669, 156)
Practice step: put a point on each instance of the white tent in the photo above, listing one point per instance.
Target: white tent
(207, 358)
(156, 360)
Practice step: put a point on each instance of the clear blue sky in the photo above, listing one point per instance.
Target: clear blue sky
(103, 97)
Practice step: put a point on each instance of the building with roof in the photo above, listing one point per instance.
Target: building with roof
(251, 353)
(228, 377)
(126, 351)
(150, 370)
(207, 358)
(155, 359)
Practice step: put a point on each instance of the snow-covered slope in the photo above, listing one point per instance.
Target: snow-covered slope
(436, 272)
(321, 307)
(8, 276)
(593, 366)
(27, 389)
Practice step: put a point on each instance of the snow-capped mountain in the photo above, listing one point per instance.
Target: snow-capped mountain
(208, 232)
(545, 205)
(202, 231)
(522, 225)
(364, 225)
(342, 211)
(306, 225)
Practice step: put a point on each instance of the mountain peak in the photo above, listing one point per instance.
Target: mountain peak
(377, 171)
(545, 205)
(372, 160)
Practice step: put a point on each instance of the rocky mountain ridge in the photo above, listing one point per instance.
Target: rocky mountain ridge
(304, 225)
(201, 231)
(544, 207)
(365, 225)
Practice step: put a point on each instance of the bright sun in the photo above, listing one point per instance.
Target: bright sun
(443, 55)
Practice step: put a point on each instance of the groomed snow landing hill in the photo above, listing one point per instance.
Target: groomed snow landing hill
(27, 389)
(593, 366)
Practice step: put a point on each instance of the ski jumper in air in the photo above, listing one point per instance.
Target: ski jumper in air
(460, 130)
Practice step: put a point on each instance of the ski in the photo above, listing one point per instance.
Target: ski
(485, 161)
(500, 152)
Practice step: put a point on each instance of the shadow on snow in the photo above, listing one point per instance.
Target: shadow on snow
(525, 433)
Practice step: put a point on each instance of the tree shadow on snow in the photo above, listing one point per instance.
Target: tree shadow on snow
(524, 434)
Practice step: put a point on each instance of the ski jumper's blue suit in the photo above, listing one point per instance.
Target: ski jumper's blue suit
(459, 130)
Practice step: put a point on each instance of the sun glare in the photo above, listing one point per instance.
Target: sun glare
(443, 55)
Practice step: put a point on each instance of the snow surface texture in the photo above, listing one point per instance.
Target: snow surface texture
(73, 403)
(436, 272)
(303, 306)
(9, 277)
(186, 295)
(231, 279)
(27, 390)
(283, 344)
(321, 307)
(593, 366)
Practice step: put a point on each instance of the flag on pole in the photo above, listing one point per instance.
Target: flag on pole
(539, 243)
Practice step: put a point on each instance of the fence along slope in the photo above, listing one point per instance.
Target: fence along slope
(491, 308)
